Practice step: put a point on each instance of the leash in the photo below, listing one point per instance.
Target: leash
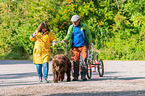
(66, 53)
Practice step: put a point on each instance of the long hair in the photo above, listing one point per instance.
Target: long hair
(42, 26)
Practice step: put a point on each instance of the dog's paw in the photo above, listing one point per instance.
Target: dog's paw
(55, 81)
(61, 80)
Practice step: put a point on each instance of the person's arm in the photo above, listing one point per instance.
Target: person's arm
(53, 39)
(67, 37)
(33, 37)
(89, 35)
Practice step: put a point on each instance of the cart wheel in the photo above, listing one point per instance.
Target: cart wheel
(89, 70)
(100, 68)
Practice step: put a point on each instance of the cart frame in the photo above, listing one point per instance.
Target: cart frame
(92, 63)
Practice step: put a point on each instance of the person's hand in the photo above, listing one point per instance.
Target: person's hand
(34, 34)
(53, 44)
(63, 41)
(89, 47)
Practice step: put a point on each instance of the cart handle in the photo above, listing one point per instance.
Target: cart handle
(90, 56)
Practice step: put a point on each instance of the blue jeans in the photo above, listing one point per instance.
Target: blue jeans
(45, 69)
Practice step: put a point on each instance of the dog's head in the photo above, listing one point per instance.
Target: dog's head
(58, 63)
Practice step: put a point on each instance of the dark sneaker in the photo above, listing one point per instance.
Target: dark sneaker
(40, 79)
(75, 79)
(84, 78)
(45, 80)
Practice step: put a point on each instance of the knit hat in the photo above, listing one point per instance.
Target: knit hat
(75, 18)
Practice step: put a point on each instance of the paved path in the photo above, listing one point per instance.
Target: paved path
(121, 78)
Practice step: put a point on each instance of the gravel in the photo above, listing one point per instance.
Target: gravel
(121, 78)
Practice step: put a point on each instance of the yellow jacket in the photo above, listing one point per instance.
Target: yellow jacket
(41, 51)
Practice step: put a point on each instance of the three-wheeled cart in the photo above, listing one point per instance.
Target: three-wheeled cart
(93, 64)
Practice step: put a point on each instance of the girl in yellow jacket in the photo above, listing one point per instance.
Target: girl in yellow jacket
(41, 52)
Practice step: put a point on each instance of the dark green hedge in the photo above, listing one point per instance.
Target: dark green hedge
(118, 28)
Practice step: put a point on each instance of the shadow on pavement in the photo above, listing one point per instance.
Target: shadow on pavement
(110, 77)
(112, 93)
(11, 62)
(7, 84)
(16, 79)
(17, 75)
(116, 78)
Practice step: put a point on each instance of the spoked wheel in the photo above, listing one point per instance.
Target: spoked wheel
(89, 70)
(100, 68)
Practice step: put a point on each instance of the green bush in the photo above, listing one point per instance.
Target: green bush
(118, 28)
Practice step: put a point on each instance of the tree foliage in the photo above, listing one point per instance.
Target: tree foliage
(117, 26)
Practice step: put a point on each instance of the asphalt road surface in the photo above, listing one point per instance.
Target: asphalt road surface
(121, 78)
